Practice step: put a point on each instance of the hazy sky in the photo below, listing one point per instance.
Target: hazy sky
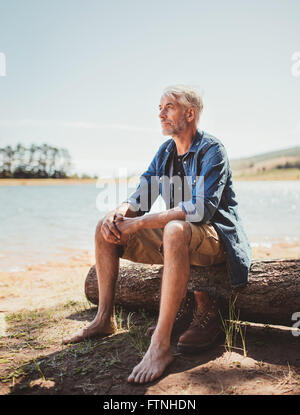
(88, 75)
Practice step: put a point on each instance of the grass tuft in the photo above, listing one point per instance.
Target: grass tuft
(233, 328)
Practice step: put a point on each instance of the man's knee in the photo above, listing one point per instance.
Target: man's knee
(177, 231)
(100, 239)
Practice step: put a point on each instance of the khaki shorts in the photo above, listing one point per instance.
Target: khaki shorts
(146, 246)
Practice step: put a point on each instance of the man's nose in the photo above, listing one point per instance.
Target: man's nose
(162, 114)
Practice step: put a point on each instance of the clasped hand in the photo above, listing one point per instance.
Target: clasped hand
(115, 225)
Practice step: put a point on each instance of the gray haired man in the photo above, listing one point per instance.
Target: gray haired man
(201, 229)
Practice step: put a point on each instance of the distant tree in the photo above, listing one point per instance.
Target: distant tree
(7, 160)
(42, 161)
(289, 165)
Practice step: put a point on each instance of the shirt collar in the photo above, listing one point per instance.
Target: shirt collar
(194, 146)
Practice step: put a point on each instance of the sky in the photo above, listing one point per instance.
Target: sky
(88, 75)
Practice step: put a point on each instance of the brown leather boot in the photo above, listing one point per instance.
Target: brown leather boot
(184, 315)
(205, 328)
(183, 318)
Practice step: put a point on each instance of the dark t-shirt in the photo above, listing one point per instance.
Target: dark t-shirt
(179, 182)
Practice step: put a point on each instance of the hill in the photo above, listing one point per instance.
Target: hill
(278, 165)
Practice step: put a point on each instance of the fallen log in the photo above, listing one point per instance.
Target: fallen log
(272, 294)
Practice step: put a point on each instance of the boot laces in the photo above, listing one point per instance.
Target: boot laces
(201, 319)
(185, 307)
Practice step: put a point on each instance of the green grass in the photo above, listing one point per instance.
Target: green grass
(232, 329)
(270, 174)
(135, 327)
(243, 163)
(33, 349)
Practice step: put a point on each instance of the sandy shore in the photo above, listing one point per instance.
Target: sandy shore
(49, 182)
(40, 305)
(60, 182)
(44, 182)
(277, 251)
(54, 283)
(45, 285)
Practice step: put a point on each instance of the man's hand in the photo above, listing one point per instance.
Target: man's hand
(116, 224)
(109, 230)
(127, 225)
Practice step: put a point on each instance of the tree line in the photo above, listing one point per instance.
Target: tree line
(289, 165)
(35, 161)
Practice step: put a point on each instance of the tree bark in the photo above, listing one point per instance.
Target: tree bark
(272, 294)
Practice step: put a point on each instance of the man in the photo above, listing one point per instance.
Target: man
(201, 229)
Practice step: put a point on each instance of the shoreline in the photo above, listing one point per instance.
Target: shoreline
(276, 250)
(72, 257)
(59, 280)
(42, 182)
(51, 182)
(77, 257)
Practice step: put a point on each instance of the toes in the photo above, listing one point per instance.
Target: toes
(73, 339)
(132, 376)
(142, 377)
(138, 374)
(67, 340)
(152, 377)
(148, 377)
(150, 368)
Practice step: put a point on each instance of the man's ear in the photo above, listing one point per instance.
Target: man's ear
(190, 114)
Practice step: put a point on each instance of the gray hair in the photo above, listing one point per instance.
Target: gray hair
(186, 96)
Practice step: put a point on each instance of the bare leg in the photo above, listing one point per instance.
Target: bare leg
(107, 267)
(176, 273)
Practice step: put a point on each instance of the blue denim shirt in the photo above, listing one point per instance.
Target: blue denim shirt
(212, 199)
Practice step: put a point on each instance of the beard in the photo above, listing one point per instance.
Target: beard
(175, 128)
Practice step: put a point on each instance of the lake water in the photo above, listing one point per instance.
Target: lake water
(41, 223)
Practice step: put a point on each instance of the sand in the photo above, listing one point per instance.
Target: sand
(50, 283)
(271, 367)
(44, 182)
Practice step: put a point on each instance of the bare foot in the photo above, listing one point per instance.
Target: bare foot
(152, 366)
(93, 330)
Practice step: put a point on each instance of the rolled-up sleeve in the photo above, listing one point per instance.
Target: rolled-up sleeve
(207, 188)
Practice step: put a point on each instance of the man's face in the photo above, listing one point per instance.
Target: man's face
(172, 116)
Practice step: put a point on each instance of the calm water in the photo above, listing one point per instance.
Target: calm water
(40, 223)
